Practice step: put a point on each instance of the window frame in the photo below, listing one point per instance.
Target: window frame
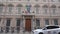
(46, 22)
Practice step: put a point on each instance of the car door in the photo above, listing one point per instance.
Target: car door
(47, 31)
(51, 30)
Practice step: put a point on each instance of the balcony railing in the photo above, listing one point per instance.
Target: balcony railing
(28, 13)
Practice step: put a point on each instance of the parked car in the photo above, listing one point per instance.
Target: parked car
(50, 29)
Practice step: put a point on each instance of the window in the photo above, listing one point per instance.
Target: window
(19, 10)
(18, 24)
(53, 9)
(10, 7)
(44, 0)
(59, 0)
(0, 20)
(28, 0)
(37, 8)
(52, 27)
(7, 24)
(45, 8)
(19, 7)
(11, 0)
(28, 7)
(52, 0)
(37, 23)
(1, 8)
(36, 0)
(56, 21)
(46, 21)
(19, 0)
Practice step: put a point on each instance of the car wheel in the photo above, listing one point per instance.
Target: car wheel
(59, 33)
(40, 33)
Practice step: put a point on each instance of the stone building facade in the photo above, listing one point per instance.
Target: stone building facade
(29, 14)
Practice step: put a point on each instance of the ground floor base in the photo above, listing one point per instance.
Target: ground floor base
(26, 23)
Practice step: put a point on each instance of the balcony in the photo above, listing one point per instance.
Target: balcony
(28, 13)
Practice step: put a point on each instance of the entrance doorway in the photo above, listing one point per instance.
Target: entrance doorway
(28, 24)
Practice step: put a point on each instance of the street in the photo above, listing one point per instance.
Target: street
(21, 32)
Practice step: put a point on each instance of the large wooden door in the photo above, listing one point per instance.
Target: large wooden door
(28, 24)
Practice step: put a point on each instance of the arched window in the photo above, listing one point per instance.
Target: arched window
(37, 8)
(1, 8)
(45, 8)
(28, 7)
(10, 7)
(53, 9)
(19, 7)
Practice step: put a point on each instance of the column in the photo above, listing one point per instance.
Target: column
(13, 22)
(42, 23)
(51, 21)
(33, 24)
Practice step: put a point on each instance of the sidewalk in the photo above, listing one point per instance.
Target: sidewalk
(18, 33)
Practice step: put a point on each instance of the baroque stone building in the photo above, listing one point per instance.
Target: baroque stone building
(28, 14)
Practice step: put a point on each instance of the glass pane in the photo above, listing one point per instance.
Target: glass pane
(10, 9)
(19, 10)
(7, 25)
(37, 10)
(47, 22)
(1, 9)
(56, 21)
(37, 23)
(18, 22)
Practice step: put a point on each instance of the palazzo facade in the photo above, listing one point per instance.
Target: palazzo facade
(28, 14)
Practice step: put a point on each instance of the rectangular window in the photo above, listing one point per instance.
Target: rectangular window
(36, 0)
(44, 0)
(0, 20)
(46, 21)
(54, 10)
(7, 25)
(45, 10)
(18, 25)
(56, 21)
(18, 22)
(10, 9)
(59, 0)
(52, 0)
(1, 9)
(19, 10)
(37, 23)
(28, 0)
(37, 10)
(8, 22)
